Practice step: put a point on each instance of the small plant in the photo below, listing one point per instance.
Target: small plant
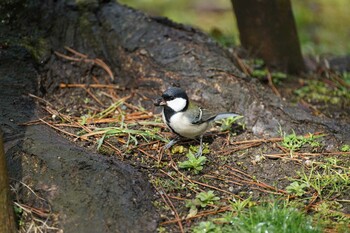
(178, 149)
(226, 124)
(278, 77)
(345, 148)
(205, 149)
(207, 227)
(262, 73)
(239, 205)
(202, 199)
(19, 212)
(296, 188)
(207, 198)
(169, 185)
(193, 163)
(295, 142)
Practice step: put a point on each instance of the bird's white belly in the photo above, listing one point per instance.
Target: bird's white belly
(183, 126)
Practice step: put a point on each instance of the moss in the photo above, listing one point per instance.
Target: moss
(317, 91)
(37, 47)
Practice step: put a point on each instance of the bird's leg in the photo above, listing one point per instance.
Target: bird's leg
(200, 150)
(171, 143)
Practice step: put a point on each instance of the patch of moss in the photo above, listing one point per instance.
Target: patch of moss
(321, 92)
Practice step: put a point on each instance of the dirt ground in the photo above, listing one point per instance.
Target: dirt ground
(239, 165)
(118, 134)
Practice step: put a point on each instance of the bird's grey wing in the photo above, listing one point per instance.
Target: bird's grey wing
(203, 115)
(223, 115)
(200, 115)
(209, 116)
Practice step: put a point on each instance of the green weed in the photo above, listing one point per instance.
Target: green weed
(295, 142)
(193, 163)
(326, 180)
(205, 149)
(345, 148)
(226, 124)
(169, 185)
(208, 227)
(262, 73)
(330, 212)
(202, 199)
(239, 205)
(318, 91)
(297, 188)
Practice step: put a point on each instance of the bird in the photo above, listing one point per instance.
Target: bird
(184, 118)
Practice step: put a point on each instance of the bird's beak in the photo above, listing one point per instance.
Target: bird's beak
(159, 102)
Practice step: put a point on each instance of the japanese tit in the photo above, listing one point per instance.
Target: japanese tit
(184, 118)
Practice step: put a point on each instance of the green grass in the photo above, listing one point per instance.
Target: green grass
(294, 142)
(327, 179)
(271, 218)
(133, 134)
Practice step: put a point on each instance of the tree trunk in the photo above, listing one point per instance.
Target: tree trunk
(7, 223)
(267, 28)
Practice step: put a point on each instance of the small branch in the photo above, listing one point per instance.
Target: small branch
(77, 85)
(273, 87)
(84, 58)
(168, 202)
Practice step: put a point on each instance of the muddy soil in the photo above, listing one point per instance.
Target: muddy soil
(236, 161)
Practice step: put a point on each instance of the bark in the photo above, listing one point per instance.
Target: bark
(268, 29)
(7, 223)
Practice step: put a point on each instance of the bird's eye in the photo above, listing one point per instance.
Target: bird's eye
(171, 97)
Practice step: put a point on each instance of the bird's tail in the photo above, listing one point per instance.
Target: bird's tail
(221, 116)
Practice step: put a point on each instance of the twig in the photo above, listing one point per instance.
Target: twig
(201, 214)
(242, 147)
(40, 99)
(77, 85)
(246, 69)
(167, 200)
(273, 87)
(190, 181)
(94, 97)
(75, 52)
(56, 128)
(264, 140)
(84, 58)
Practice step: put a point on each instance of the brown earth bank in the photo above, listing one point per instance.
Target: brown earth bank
(94, 193)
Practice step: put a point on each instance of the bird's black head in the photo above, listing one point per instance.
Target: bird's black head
(174, 92)
(174, 99)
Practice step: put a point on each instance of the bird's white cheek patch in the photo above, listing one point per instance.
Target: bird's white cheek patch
(177, 104)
